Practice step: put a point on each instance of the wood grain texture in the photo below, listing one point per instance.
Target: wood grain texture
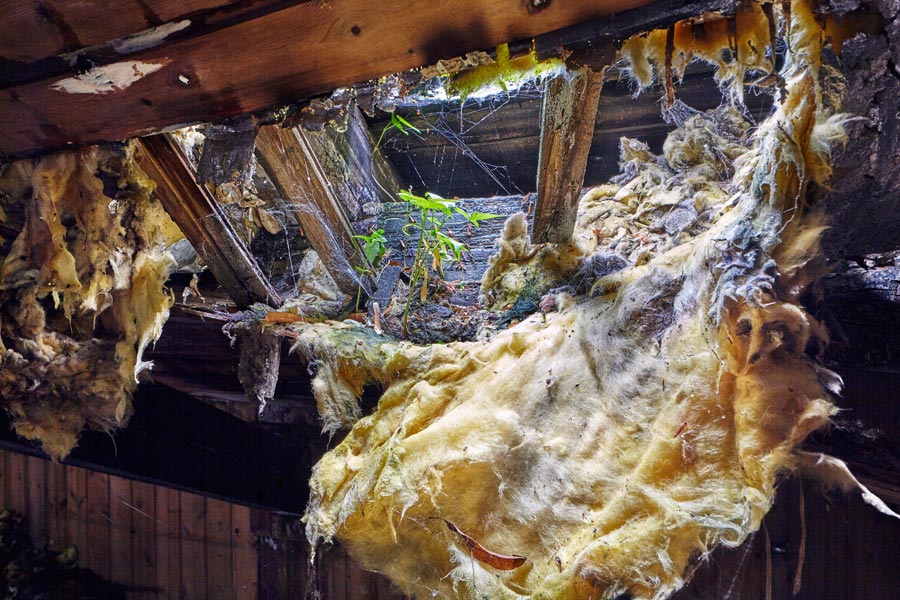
(193, 547)
(203, 222)
(359, 173)
(292, 164)
(37, 498)
(144, 539)
(219, 576)
(280, 57)
(245, 567)
(97, 554)
(568, 115)
(36, 29)
(168, 543)
(56, 504)
(121, 513)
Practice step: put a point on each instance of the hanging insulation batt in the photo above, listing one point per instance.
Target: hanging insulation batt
(605, 447)
(82, 292)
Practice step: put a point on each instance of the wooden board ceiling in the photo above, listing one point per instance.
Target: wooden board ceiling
(210, 60)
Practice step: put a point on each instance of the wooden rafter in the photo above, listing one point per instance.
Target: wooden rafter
(357, 172)
(202, 221)
(288, 157)
(247, 61)
(568, 116)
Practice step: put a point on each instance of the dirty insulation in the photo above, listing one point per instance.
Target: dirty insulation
(82, 291)
(609, 443)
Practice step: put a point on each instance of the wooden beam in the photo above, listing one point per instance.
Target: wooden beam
(288, 157)
(46, 38)
(359, 172)
(202, 221)
(568, 115)
(279, 57)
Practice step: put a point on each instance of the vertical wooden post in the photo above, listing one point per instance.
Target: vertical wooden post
(293, 166)
(567, 127)
(202, 221)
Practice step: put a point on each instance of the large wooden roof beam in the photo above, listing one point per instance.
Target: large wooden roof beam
(240, 66)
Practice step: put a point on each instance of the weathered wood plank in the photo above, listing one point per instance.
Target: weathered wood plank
(193, 547)
(245, 565)
(144, 539)
(32, 30)
(358, 172)
(56, 497)
(255, 64)
(37, 497)
(76, 509)
(227, 151)
(568, 114)
(121, 563)
(293, 166)
(168, 544)
(273, 573)
(97, 554)
(17, 484)
(219, 576)
(201, 219)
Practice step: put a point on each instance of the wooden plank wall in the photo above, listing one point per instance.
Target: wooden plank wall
(163, 543)
(167, 544)
(160, 543)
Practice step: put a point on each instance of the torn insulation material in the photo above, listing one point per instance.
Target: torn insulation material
(644, 419)
(82, 292)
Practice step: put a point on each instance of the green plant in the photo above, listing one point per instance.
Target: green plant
(374, 249)
(434, 246)
(400, 124)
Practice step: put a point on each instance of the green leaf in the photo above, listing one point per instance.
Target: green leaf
(475, 217)
(427, 202)
(456, 247)
(402, 124)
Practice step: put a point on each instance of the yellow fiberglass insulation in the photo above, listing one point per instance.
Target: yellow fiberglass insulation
(82, 292)
(615, 442)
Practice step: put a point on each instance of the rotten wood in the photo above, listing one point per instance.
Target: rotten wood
(228, 151)
(203, 223)
(254, 64)
(288, 157)
(259, 366)
(359, 173)
(568, 115)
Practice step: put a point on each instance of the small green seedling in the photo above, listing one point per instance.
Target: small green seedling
(400, 124)
(374, 249)
(434, 245)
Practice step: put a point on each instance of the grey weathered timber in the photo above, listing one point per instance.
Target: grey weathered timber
(289, 159)
(568, 115)
(203, 223)
(359, 173)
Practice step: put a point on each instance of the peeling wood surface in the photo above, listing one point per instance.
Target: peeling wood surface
(279, 57)
(359, 173)
(568, 115)
(289, 159)
(204, 224)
